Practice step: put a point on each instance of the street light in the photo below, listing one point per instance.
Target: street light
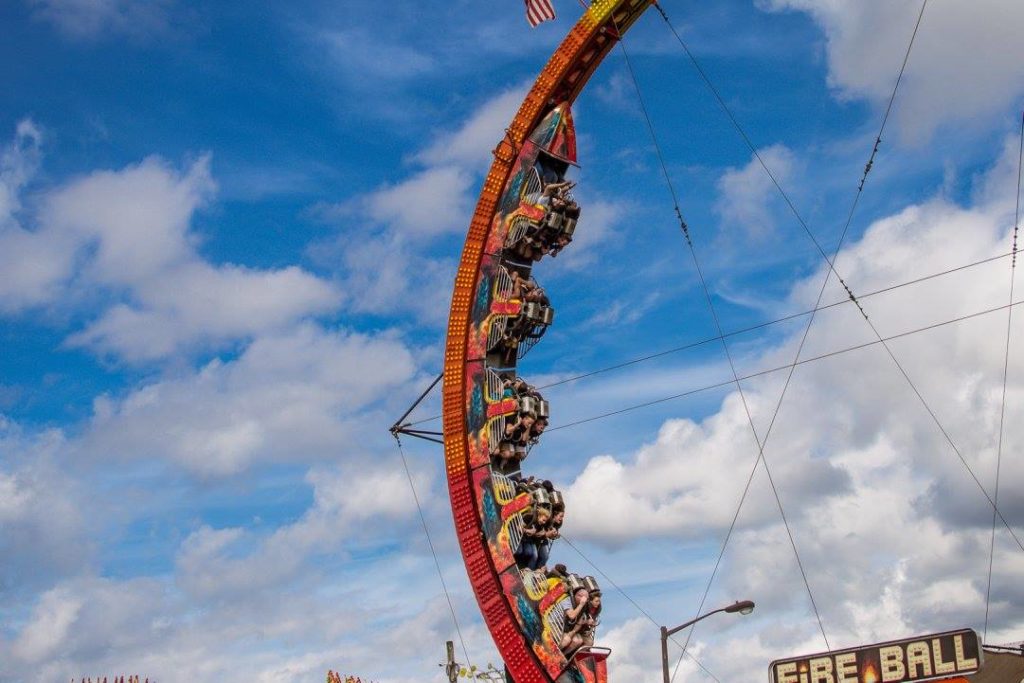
(741, 606)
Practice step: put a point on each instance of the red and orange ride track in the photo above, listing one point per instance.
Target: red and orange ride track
(514, 612)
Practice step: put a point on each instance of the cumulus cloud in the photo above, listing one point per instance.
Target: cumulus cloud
(18, 163)
(123, 240)
(366, 57)
(427, 204)
(44, 526)
(891, 529)
(32, 265)
(196, 303)
(89, 625)
(747, 195)
(601, 225)
(94, 19)
(298, 396)
(470, 146)
(386, 236)
(963, 69)
(213, 563)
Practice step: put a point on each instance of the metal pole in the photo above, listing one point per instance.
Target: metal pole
(746, 607)
(664, 654)
(398, 423)
(451, 668)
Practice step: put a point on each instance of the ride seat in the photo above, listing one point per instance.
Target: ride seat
(538, 313)
(533, 404)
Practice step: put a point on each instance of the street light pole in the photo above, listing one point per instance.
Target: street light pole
(741, 606)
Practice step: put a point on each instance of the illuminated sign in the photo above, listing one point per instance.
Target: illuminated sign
(922, 658)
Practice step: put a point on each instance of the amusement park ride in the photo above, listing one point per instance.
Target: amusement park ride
(542, 622)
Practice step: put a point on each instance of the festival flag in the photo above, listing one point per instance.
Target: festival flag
(538, 11)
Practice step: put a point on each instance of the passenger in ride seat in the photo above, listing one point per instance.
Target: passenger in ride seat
(516, 387)
(561, 242)
(505, 459)
(553, 194)
(521, 453)
(538, 295)
(592, 616)
(518, 432)
(528, 292)
(548, 534)
(575, 621)
(528, 249)
(533, 525)
(538, 428)
(559, 572)
(520, 285)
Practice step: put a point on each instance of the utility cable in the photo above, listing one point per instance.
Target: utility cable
(760, 443)
(832, 269)
(753, 328)
(426, 532)
(804, 361)
(1006, 369)
(635, 604)
(853, 298)
(753, 149)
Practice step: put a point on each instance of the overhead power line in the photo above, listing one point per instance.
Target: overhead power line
(433, 552)
(779, 368)
(752, 328)
(758, 441)
(804, 361)
(1006, 372)
(637, 606)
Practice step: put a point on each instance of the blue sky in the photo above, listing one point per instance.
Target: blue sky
(227, 239)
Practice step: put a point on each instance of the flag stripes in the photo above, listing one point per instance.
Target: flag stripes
(538, 11)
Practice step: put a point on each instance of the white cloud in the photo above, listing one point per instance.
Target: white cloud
(196, 303)
(390, 275)
(963, 69)
(48, 628)
(471, 145)
(653, 496)
(300, 395)
(892, 531)
(602, 223)
(32, 265)
(90, 624)
(432, 202)
(92, 19)
(348, 503)
(18, 163)
(137, 219)
(43, 526)
(747, 195)
(123, 239)
(384, 236)
(366, 57)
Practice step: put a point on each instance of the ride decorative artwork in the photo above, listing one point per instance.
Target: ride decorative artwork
(543, 622)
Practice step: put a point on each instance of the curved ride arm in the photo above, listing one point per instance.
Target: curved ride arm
(559, 83)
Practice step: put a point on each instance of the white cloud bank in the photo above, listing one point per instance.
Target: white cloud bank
(964, 69)
(747, 194)
(123, 240)
(298, 396)
(892, 531)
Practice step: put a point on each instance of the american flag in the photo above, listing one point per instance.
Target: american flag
(538, 11)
